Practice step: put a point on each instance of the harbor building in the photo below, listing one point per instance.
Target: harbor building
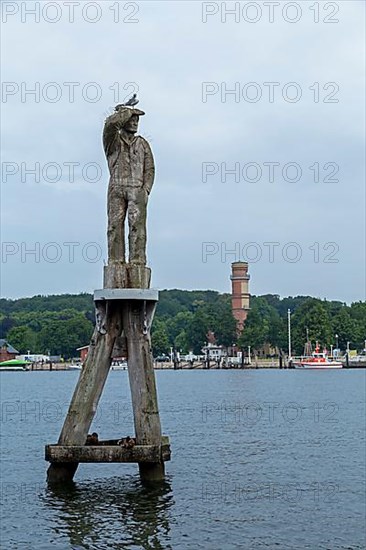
(83, 352)
(7, 352)
(240, 297)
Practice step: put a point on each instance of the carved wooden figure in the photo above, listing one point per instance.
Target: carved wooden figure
(124, 314)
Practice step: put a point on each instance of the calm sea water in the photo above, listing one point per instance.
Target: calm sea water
(260, 460)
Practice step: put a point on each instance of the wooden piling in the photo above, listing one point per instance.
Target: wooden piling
(142, 383)
(87, 393)
(127, 314)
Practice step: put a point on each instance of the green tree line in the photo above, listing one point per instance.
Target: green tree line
(60, 324)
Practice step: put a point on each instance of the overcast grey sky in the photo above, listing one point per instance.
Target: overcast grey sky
(296, 70)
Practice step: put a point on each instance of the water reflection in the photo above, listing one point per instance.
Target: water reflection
(112, 513)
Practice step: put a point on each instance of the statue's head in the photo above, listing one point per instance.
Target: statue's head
(132, 124)
(131, 117)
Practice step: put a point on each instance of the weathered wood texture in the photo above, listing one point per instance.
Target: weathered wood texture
(119, 322)
(142, 383)
(88, 389)
(120, 275)
(141, 375)
(91, 382)
(106, 453)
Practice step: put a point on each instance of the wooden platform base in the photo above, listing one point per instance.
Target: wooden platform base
(124, 313)
(65, 454)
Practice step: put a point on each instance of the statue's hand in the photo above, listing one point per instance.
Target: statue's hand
(128, 109)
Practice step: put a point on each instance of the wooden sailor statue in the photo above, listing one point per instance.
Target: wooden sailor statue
(132, 170)
(124, 312)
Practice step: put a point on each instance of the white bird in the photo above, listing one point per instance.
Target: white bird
(132, 101)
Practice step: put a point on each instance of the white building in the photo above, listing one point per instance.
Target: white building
(34, 358)
(213, 352)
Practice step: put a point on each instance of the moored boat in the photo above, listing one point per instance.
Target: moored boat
(14, 365)
(317, 360)
(119, 365)
(76, 366)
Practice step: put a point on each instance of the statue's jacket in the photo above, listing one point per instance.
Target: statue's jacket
(130, 161)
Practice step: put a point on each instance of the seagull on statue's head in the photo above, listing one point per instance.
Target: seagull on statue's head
(130, 103)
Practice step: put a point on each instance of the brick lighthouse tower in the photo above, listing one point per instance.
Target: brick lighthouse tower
(240, 297)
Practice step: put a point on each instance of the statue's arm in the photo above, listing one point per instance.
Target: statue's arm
(112, 126)
(149, 168)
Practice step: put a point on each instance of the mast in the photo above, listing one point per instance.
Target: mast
(307, 347)
(289, 332)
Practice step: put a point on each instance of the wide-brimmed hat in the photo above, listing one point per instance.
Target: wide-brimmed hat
(127, 108)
